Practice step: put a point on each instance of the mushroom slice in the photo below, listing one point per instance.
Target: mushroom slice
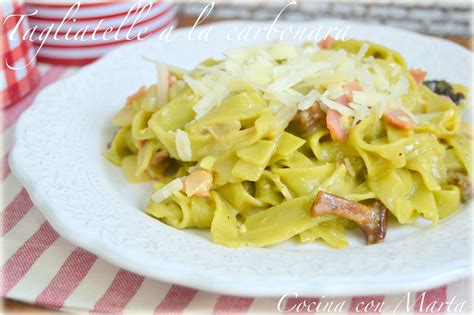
(462, 181)
(372, 219)
(307, 120)
(158, 157)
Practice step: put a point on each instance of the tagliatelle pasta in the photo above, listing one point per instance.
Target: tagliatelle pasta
(277, 141)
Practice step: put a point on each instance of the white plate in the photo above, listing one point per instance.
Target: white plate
(57, 156)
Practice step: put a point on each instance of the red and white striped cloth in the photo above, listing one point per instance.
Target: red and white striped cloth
(18, 71)
(40, 267)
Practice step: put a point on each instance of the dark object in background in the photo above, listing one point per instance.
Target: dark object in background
(442, 87)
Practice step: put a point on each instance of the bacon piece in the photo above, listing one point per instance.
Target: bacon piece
(371, 219)
(326, 43)
(198, 183)
(334, 119)
(419, 75)
(399, 119)
(335, 125)
(308, 119)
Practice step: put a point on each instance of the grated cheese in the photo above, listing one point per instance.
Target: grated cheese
(309, 100)
(401, 87)
(335, 91)
(338, 57)
(365, 79)
(369, 99)
(297, 74)
(210, 100)
(183, 145)
(381, 83)
(292, 78)
(349, 167)
(198, 87)
(344, 110)
(162, 84)
(166, 191)
(280, 51)
(288, 97)
(361, 111)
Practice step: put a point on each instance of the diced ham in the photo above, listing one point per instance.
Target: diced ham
(372, 219)
(398, 118)
(419, 75)
(335, 125)
(198, 183)
(334, 119)
(326, 43)
(350, 87)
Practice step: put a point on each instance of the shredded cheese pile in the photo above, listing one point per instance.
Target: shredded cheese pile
(279, 71)
(293, 78)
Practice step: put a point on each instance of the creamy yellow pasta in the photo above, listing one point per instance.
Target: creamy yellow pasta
(277, 141)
